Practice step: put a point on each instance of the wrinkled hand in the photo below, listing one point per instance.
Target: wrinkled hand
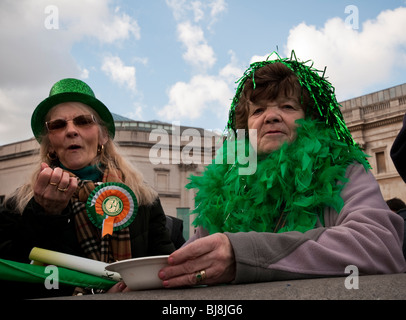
(213, 254)
(53, 189)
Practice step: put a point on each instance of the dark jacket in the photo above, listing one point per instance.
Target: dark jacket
(175, 228)
(398, 151)
(402, 213)
(20, 233)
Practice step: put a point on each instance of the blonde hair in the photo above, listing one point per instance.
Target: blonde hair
(108, 158)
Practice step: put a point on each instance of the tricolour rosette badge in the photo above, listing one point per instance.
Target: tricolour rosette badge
(111, 207)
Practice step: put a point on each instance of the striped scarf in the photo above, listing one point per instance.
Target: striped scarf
(110, 248)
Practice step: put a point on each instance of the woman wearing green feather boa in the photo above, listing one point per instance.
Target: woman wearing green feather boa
(311, 208)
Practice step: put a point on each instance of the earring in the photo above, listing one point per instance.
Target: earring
(52, 156)
(100, 149)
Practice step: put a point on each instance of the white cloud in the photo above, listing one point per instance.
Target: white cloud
(84, 74)
(191, 34)
(231, 72)
(217, 7)
(197, 11)
(182, 9)
(33, 57)
(96, 19)
(15, 120)
(355, 59)
(198, 52)
(203, 93)
(189, 100)
(119, 73)
(258, 58)
(178, 8)
(137, 112)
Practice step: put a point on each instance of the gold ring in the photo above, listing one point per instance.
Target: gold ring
(62, 190)
(53, 184)
(200, 276)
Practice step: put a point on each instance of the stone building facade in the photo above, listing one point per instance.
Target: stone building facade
(374, 121)
(167, 154)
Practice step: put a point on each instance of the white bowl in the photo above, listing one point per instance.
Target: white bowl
(140, 273)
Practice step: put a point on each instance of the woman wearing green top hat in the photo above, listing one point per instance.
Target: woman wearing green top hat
(311, 209)
(57, 209)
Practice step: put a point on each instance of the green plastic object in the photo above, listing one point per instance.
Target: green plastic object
(24, 272)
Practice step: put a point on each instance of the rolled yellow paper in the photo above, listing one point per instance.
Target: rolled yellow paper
(68, 261)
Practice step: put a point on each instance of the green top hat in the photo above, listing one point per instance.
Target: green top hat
(70, 90)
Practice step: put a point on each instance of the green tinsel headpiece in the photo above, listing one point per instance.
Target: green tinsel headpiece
(320, 90)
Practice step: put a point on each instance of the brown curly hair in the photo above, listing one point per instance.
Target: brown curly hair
(271, 81)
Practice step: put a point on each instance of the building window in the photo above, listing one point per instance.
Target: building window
(161, 179)
(380, 162)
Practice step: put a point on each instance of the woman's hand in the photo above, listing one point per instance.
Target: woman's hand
(212, 254)
(119, 287)
(53, 189)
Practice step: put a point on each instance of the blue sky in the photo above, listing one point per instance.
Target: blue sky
(178, 60)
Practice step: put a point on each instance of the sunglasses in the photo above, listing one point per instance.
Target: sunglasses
(80, 121)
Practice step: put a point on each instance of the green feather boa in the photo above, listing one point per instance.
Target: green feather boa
(293, 184)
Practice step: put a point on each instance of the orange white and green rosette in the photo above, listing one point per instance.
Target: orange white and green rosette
(111, 206)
